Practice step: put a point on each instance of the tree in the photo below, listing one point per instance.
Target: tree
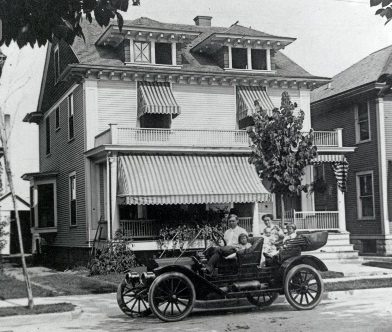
(36, 21)
(280, 151)
(385, 10)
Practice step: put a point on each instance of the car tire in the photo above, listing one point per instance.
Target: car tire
(303, 287)
(263, 299)
(172, 296)
(133, 299)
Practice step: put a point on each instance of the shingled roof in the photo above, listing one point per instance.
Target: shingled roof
(366, 71)
(91, 54)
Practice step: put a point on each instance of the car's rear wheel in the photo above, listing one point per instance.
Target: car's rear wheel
(172, 296)
(303, 287)
(132, 299)
(262, 299)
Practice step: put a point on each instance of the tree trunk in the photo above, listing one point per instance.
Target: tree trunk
(3, 137)
(282, 211)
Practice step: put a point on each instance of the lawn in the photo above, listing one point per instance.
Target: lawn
(37, 309)
(12, 288)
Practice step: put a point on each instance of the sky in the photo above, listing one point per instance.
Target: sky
(331, 36)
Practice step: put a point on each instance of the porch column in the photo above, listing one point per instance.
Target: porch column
(307, 200)
(255, 226)
(342, 211)
(114, 213)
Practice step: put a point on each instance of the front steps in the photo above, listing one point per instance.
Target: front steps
(338, 247)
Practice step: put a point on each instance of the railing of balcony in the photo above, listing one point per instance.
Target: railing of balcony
(316, 220)
(192, 137)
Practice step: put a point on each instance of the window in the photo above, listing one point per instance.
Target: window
(56, 56)
(239, 58)
(163, 53)
(362, 127)
(57, 117)
(46, 206)
(72, 199)
(71, 133)
(155, 121)
(365, 195)
(142, 52)
(47, 132)
(259, 59)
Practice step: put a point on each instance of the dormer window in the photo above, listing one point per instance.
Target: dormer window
(259, 60)
(152, 52)
(239, 57)
(249, 58)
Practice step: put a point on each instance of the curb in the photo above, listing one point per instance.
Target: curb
(20, 320)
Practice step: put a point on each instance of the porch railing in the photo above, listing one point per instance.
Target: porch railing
(149, 228)
(315, 220)
(326, 138)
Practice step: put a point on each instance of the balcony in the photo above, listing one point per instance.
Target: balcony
(142, 137)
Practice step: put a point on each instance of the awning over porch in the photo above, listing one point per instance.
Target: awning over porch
(247, 95)
(157, 98)
(186, 179)
(329, 158)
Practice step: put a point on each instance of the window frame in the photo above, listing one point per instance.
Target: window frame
(35, 185)
(357, 123)
(57, 118)
(48, 140)
(56, 63)
(71, 117)
(141, 49)
(72, 198)
(359, 202)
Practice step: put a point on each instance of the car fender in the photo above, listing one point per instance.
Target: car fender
(293, 261)
(202, 285)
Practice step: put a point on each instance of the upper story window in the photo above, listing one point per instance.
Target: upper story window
(365, 195)
(240, 58)
(248, 58)
(142, 52)
(57, 117)
(362, 122)
(47, 134)
(259, 59)
(163, 54)
(71, 132)
(56, 58)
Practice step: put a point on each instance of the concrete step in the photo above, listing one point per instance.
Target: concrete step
(336, 248)
(350, 254)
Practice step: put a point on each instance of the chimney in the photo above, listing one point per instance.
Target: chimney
(203, 20)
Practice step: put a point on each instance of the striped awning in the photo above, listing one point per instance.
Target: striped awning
(339, 166)
(156, 98)
(187, 179)
(246, 97)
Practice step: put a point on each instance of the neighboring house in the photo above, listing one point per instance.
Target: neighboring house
(351, 102)
(145, 123)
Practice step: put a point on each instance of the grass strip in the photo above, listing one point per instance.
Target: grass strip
(358, 284)
(12, 288)
(37, 309)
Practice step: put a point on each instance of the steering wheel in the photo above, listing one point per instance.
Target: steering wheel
(218, 239)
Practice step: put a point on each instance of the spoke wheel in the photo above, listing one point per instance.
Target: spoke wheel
(303, 287)
(133, 299)
(218, 239)
(263, 299)
(172, 297)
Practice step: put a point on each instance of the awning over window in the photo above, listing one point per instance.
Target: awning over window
(186, 179)
(246, 97)
(157, 98)
(339, 166)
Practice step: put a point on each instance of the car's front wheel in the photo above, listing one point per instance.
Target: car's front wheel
(303, 287)
(132, 299)
(172, 296)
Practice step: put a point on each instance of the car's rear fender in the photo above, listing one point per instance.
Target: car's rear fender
(293, 261)
(202, 286)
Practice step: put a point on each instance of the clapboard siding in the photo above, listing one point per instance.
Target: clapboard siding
(365, 158)
(276, 96)
(54, 91)
(205, 107)
(117, 103)
(66, 157)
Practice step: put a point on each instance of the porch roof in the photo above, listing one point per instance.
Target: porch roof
(188, 179)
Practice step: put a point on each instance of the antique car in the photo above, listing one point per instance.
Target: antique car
(171, 286)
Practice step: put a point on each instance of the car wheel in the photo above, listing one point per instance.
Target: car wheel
(172, 296)
(303, 287)
(133, 299)
(262, 299)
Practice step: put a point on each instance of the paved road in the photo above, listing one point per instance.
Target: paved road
(361, 310)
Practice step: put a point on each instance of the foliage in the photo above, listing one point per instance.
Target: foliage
(36, 21)
(3, 233)
(385, 10)
(280, 151)
(320, 186)
(113, 256)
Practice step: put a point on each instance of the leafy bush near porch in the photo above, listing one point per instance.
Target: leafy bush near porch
(113, 256)
(3, 242)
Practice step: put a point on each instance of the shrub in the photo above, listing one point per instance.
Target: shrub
(3, 241)
(113, 256)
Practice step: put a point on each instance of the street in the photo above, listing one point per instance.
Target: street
(360, 310)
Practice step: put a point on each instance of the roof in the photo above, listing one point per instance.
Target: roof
(366, 71)
(5, 196)
(91, 54)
